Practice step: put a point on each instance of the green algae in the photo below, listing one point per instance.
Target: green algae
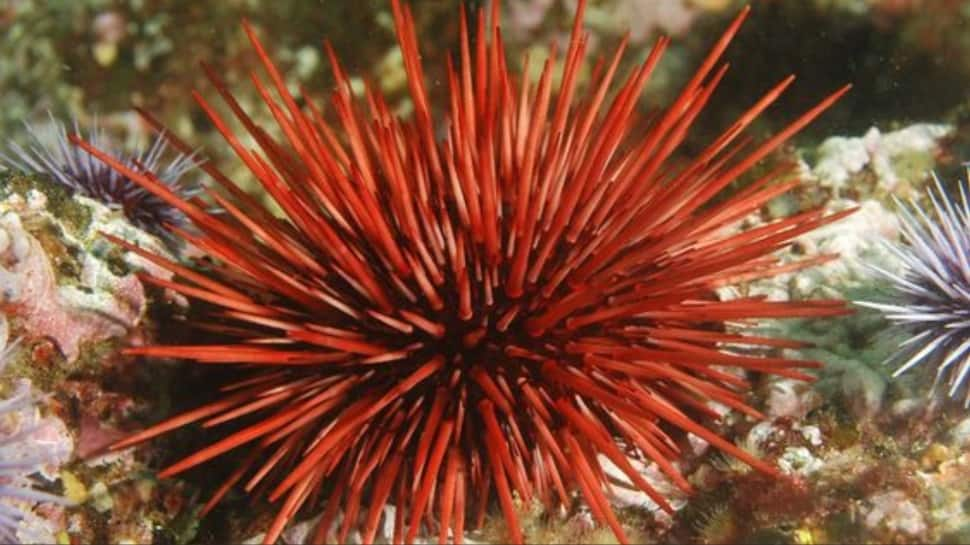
(60, 200)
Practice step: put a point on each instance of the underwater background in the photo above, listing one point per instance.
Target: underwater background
(872, 458)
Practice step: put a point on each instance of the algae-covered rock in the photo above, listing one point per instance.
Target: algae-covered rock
(63, 281)
(74, 300)
(898, 158)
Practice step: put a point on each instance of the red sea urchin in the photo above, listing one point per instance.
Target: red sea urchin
(437, 323)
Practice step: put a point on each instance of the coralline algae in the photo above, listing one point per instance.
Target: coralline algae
(92, 303)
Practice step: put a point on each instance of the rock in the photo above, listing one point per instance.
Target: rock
(960, 433)
(790, 398)
(58, 283)
(892, 157)
(799, 461)
(628, 495)
(894, 511)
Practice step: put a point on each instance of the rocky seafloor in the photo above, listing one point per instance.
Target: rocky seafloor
(870, 458)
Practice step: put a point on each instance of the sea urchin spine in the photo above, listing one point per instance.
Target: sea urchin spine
(437, 323)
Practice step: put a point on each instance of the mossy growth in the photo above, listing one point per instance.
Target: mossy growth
(710, 519)
(40, 361)
(65, 258)
(60, 200)
(539, 525)
(182, 530)
(912, 167)
(840, 430)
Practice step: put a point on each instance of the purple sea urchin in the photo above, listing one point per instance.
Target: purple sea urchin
(931, 298)
(53, 155)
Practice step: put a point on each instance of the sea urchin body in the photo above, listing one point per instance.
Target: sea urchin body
(931, 299)
(437, 324)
